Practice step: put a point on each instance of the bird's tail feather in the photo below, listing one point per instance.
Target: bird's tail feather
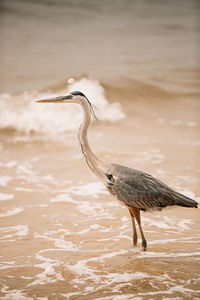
(185, 201)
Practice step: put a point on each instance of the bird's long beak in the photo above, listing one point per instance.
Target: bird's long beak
(59, 99)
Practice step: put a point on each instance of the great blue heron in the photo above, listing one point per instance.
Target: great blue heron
(136, 189)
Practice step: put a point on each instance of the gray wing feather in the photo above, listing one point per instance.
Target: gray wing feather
(143, 191)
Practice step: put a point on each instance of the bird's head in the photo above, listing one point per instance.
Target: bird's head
(74, 97)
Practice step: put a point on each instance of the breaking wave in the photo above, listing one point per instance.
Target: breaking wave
(20, 113)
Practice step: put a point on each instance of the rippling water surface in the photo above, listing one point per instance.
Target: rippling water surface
(62, 236)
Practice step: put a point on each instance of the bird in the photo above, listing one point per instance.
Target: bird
(137, 190)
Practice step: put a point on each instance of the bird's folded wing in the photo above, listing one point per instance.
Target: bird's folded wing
(143, 191)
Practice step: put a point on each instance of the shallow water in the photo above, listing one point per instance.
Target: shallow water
(62, 235)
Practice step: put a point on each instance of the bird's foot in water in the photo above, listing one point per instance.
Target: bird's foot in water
(144, 245)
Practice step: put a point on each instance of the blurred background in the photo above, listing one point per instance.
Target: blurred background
(62, 236)
(45, 42)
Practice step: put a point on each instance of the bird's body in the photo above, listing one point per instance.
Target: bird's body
(135, 189)
(143, 191)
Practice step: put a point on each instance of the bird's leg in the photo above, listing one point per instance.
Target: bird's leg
(136, 213)
(135, 237)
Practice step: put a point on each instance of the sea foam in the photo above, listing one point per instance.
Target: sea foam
(22, 114)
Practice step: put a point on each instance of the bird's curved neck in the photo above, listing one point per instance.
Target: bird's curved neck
(93, 162)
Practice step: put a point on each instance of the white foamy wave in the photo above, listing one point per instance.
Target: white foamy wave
(21, 113)
(14, 294)
(12, 212)
(4, 197)
(4, 180)
(13, 232)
